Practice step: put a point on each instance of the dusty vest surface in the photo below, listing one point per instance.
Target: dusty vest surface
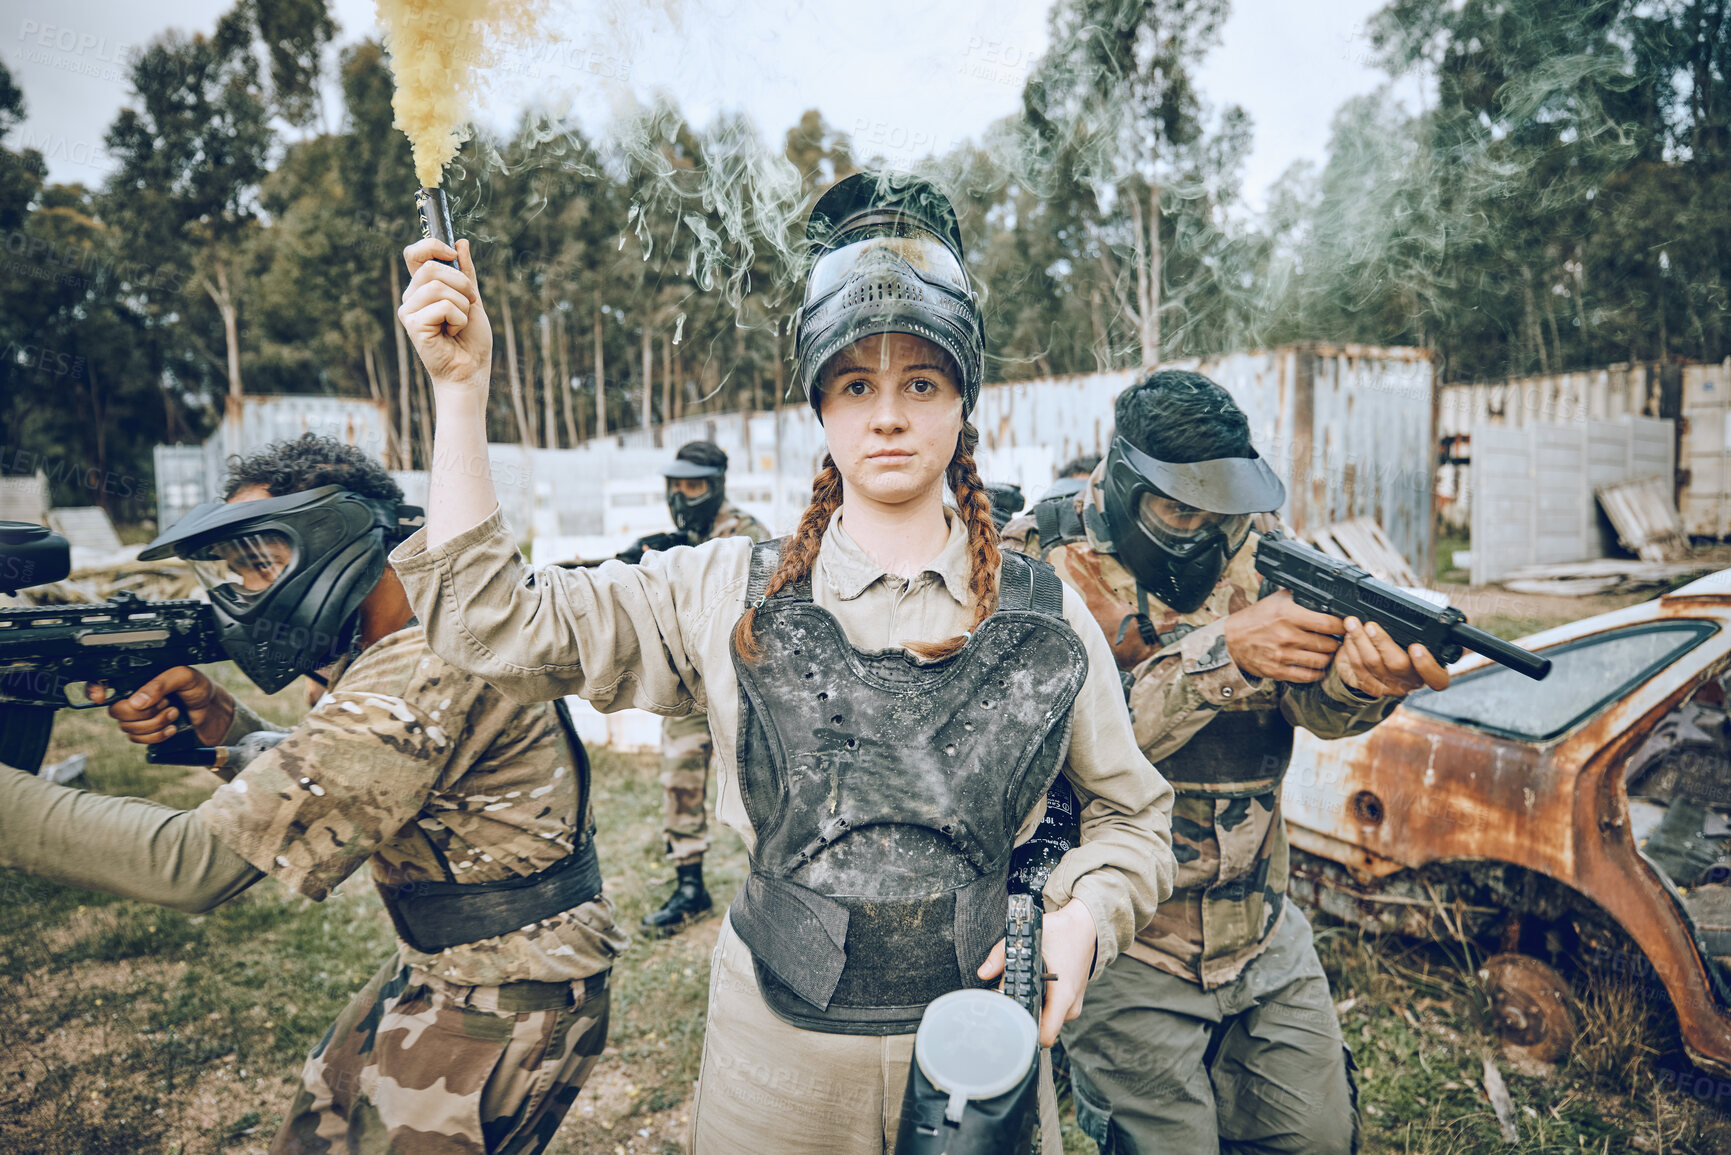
(886, 795)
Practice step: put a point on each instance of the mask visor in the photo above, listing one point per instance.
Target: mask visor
(690, 490)
(1219, 485)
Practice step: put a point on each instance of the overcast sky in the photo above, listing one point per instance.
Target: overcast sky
(902, 76)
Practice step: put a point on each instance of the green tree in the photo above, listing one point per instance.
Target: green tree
(191, 156)
(1113, 107)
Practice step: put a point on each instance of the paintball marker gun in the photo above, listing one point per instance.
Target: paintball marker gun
(973, 1085)
(1331, 586)
(658, 541)
(633, 553)
(47, 650)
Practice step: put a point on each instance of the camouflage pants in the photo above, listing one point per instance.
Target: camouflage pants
(685, 750)
(1157, 1064)
(418, 1066)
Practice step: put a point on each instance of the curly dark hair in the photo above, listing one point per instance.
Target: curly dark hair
(308, 462)
(1179, 416)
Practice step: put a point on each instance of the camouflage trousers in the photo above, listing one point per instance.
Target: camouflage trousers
(685, 750)
(1157, 1064)
(418, 1066)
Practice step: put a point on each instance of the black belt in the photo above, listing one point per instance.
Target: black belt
(431, 916)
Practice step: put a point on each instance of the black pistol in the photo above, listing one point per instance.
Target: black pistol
(1329, 585)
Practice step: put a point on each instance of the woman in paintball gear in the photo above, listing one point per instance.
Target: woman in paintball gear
(472, 809)
(891, 696)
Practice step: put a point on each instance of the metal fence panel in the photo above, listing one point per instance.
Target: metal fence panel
(1504, 510)
(1534, 501)
(180, 482)
(1348, 428)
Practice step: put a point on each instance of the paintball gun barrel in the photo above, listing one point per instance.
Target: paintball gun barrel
(633, 553)
(45, 651)
(1329, 585)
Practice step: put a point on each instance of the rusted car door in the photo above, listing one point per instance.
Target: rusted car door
(1424, 788)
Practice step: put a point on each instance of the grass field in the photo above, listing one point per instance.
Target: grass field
(126, 1028)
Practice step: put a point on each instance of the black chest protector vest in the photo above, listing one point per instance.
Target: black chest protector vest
(885, 795)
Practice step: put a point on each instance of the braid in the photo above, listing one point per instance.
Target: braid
(975, 507)
(800, 551)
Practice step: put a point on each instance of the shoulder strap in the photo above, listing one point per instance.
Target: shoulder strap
(1046, 521)
(765, 556)
(1026, 583)
(1070, 523)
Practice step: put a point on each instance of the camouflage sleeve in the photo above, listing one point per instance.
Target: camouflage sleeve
(755, 529)
(619, 635)
(351, 776)
(245, 722)
(1180, 689)
(1020, 535)
(1332, 709)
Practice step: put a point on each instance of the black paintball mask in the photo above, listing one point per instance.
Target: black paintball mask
(1176, 526)
(700, 460)
(887, 258)
(286, 575)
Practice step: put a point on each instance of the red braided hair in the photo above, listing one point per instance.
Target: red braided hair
(799, 552)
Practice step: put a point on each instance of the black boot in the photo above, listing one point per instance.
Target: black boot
(688, 902)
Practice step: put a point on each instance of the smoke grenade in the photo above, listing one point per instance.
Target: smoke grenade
(436, 217)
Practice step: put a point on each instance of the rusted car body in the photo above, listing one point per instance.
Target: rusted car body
(1502, 799)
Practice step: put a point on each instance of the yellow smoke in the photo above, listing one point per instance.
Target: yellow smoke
(438, 49)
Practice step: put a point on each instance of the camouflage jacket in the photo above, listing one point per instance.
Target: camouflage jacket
(732, 521)
(1229, 836)
(433, 775)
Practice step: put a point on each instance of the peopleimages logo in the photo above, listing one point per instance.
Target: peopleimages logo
(73, 50)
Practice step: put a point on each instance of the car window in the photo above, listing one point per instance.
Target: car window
(1586, 676)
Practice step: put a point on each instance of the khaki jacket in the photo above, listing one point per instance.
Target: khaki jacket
(658, 636)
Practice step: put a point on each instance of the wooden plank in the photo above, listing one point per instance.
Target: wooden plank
(1645, 518)
(1563, 587)
(1363, 542)
(1324, 541)
(85, 527)
(1398, 565)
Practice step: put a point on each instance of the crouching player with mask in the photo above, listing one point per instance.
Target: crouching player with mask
(473, 810)
(1215, 1029)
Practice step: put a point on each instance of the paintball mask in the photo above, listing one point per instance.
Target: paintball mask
(1176, 526)
(888, 259)
(698, 461)
(286, 575)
